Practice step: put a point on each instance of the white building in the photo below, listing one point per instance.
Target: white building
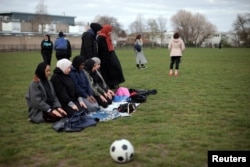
(228, 37)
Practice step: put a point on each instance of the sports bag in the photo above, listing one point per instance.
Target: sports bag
(127, 108)
(140, 95)
(137, 98)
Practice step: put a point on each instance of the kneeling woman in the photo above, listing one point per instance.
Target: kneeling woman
(90, 67)
(65, 89)
(82, 84)
(43, 104)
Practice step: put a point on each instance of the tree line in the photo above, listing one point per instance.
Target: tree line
(193, 28)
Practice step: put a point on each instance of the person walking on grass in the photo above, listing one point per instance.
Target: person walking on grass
(140, 58)
(176, 47)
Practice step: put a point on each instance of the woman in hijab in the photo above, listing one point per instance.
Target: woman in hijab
(82, 84)
(111, 69)
(90, 67)
(100, 81)
(65, 89)
(43, 104)
(89, 45)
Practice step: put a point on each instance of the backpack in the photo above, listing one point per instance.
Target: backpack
(140, 95)
(137, 47)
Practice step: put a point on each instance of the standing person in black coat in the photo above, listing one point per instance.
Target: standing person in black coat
(46, 49)
(89, 45)
(65, 89)
(111, 68)
(69, 50)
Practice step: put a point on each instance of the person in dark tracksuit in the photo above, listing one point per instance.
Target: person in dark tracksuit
(46, 49)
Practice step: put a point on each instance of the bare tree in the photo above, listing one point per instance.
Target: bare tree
(138, 26)
(41, 17)
(193, 28)
(162, 22)
(181, 23)
(200, 29)
(117, 27)
(236, 39)
(242, 28)
(206, 32)
(153, 30)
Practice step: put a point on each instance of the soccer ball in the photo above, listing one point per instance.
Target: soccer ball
(121, 151)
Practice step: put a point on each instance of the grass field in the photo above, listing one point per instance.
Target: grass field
(207, 107)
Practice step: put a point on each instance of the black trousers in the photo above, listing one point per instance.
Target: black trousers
(60, 54)
(175, 60)
(47, 58)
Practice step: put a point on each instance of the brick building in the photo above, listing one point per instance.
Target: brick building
(22, 31)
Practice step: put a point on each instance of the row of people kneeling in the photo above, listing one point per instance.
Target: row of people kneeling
(74, 86)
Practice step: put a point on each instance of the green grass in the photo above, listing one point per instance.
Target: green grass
(205, 108)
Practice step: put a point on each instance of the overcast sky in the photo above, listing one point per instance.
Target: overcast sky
(221, 13)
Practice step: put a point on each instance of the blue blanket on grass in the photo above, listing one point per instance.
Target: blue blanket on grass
(109, 113)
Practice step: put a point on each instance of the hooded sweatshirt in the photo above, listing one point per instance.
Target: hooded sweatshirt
(176, 46)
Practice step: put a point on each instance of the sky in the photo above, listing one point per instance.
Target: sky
(221, 13)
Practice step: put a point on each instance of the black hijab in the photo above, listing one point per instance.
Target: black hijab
(88, 65)
(95, 27)
(40, 73)
(77, 61)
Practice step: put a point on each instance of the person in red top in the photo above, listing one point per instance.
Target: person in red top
(176, 47)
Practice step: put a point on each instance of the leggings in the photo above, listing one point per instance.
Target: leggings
(175, 60)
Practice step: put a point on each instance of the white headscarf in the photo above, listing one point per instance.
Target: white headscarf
(63, 64)
(96, 59)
